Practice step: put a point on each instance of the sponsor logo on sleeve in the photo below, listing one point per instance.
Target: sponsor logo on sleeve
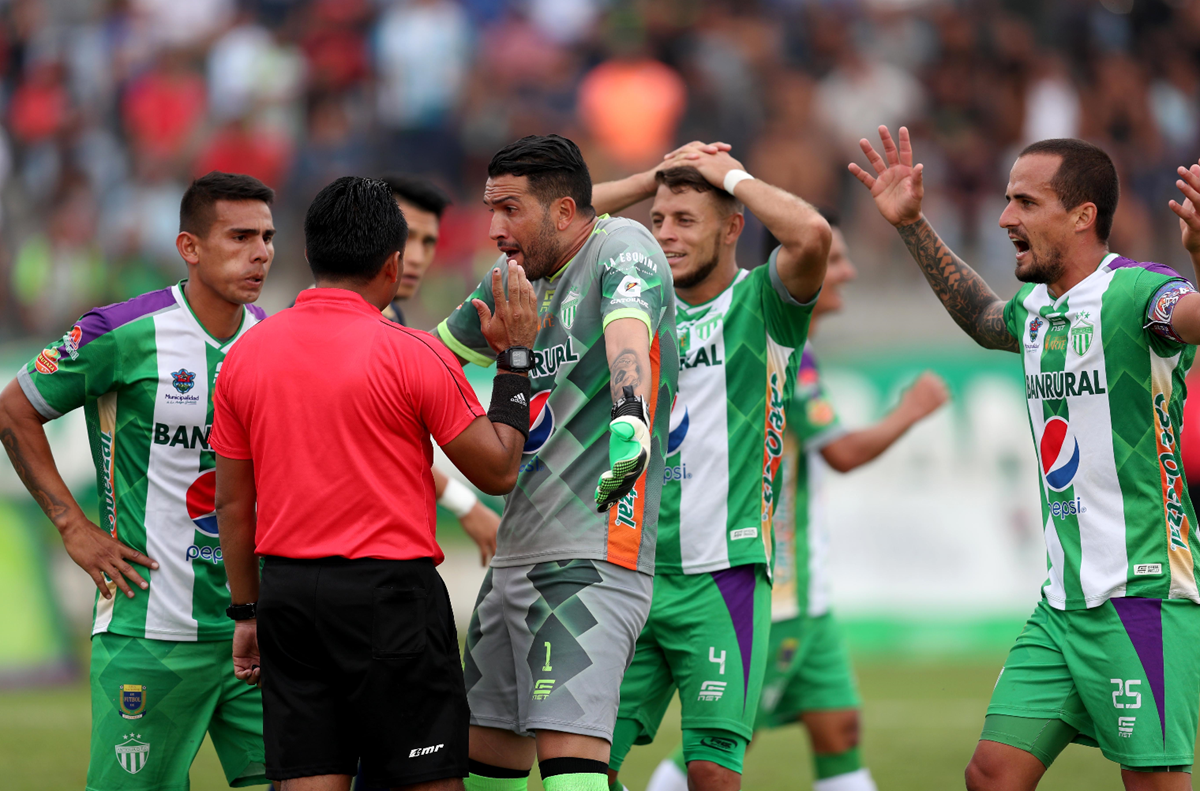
(47, 361)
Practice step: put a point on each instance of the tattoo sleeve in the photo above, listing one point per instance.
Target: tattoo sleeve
(53, 507)
(625, 370)
(965, 295)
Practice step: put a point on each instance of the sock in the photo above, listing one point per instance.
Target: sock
(573, 774)
(833, 764)
(858, 780)
(485, 777)
(669, 776)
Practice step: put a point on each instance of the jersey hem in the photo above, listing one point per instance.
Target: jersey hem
(35, 397)
(705, 568)
(171, 637)
(717, 723)
(455, 345)
(512, 561)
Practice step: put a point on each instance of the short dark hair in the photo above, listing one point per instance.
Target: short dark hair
(554, 166)
(420, 192)
(687, 177)
(1086, 174)
(197, 210)
(351, 228)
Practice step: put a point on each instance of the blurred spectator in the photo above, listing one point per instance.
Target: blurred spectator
(183, 23)
(164, 107)
(251, 72)
(39, 106)
(1051, 101)
(332, 149)
(242, 147)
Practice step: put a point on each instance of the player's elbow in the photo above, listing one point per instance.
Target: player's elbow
(496, 482)
(810, 238)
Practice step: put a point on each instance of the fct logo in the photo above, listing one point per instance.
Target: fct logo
(200, 502)
(1060, 454)
(678, 426)
(541, 422)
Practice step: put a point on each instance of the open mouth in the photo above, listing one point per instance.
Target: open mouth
(675, 257)
(1021, 246)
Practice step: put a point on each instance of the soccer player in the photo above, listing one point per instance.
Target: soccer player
(569, 589)
(808, 678)
(1108, 657)
(143, 371)
(741, 336)
(423, 205)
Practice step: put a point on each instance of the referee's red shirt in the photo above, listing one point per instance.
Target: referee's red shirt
(335, 405)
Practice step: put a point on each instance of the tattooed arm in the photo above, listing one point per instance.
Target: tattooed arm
(93, 549)
(898, 188)
(628, 346)
(964, 294)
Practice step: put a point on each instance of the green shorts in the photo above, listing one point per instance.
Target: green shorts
(808, 669)
(707, 637)
(1125, 675)
(153, 701)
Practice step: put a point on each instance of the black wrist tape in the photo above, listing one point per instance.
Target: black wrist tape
(510, 401)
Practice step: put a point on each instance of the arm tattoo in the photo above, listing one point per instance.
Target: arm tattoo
(52, 506)
(625, 370)
(965, 295)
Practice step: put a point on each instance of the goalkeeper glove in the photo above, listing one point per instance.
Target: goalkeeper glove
(628, 449)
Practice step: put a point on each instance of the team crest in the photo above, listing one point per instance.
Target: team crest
(1035, 326)
(1081, 334)
(133, 701)
(183, 380)
(567, 310)
(133, 754)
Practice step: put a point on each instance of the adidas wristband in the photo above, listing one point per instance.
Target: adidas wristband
(510, 401)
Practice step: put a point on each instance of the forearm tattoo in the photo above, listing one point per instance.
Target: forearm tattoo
(51, 505)
(625, 370)
(965, 295)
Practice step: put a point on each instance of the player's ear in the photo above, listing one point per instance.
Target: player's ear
(564, 213)
(734, 224)
(393, 266)
(1085, 216)
(188, 245)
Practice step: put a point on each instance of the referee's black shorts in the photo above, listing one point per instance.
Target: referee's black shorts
(360, 662)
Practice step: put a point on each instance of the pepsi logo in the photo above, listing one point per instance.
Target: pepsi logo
(541, 422)
(1060, 454)
(201, 502)
(678, 427)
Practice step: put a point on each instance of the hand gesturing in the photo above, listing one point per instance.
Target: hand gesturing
(1189, 219)
(897, 185)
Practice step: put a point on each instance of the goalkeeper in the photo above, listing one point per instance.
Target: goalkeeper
(569, 588)
(741, 335)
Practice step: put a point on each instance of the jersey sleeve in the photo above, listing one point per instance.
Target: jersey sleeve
(1010, 313)
(787, 318)
(460, 331)
(442, 397)
(82, 365)
(229, 436)
(1160, 310)
(816, 422)
(633, 277)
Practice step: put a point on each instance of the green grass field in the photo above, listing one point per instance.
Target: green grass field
(921, 723)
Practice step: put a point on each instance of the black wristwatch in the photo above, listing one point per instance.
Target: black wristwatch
(516, 359)
(242, 612)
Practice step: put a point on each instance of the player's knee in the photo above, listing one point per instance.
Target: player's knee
(982, 776)
(708, 776)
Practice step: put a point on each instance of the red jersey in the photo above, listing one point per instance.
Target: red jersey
(335, 405)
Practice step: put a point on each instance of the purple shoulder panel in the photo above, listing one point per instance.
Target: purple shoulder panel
(98, 321)
(257, 312)
(1121, 262)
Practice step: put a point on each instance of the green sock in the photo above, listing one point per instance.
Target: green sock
(832, 765)
(582, 781)
(677, 758)
(476, 782)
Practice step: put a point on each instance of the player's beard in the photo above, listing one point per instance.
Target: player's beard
(701, 273)
(1046, 268)
(542, 252)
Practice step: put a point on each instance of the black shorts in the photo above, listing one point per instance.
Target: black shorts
(360, 662)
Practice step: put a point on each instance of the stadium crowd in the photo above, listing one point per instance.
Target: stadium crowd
(110, 108)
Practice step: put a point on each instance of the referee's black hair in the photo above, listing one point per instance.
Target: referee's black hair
(420, 192)
(197, 210)
(351, 228)
(554, 166)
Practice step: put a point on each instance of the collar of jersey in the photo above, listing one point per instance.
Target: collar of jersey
(595, 230)
(1105, 261)
(339, 296)
(742, 273)
(181, 298)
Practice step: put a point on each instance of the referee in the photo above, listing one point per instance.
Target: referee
(321, 423)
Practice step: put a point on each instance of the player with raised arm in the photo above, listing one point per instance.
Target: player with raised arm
(809, 679)
(143, 371)
(741, 336)
(1108, 657)
(569, 588)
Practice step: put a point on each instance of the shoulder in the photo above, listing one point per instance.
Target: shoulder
(1144, 269)
(616, 234)
(420, 345)
(258, 313)
(103, 321)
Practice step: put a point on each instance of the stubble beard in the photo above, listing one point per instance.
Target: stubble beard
(700, 273)
(1043, 269)
(542, 252)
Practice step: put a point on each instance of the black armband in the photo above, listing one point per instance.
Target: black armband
(510, 401)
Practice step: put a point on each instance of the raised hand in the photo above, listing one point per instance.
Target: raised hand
(1189, 219)
(926, 395)
(515, 319)
(897, 185)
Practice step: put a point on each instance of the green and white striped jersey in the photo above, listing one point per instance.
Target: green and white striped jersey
(1104, 380)
(143, 371)
(738, 357)
(801, 529)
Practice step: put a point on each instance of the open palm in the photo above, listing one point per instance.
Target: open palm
(1189, 217)
(897, 185)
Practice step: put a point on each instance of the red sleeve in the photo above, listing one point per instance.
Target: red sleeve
(228, 436)
(443, 398)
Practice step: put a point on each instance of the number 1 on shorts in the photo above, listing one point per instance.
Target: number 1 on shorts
(546, 667)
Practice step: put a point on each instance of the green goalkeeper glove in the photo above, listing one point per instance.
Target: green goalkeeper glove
(628, 449)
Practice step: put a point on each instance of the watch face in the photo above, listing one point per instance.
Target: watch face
(519, 358)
